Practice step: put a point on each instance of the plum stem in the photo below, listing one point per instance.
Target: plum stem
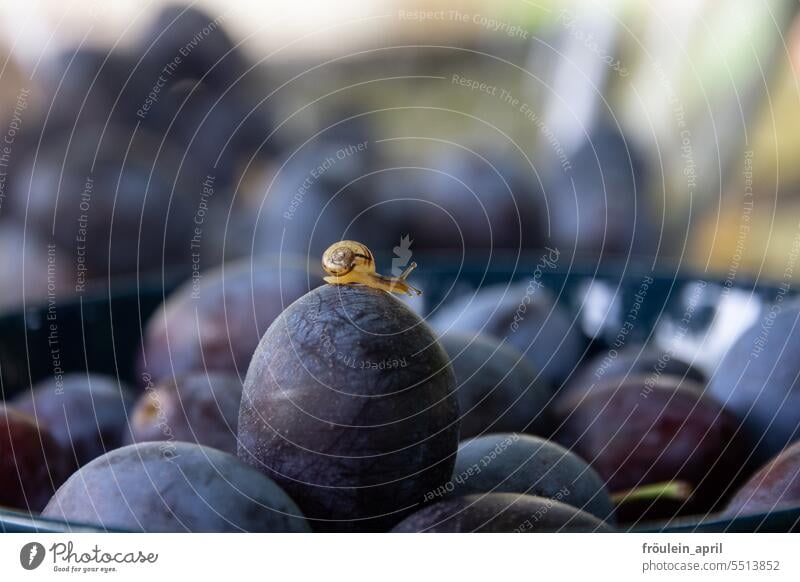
(677, 490)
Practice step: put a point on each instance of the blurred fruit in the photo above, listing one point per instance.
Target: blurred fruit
(513, 463)
(321, 191)
(775, 486)
(117, 169)
(598, 207)
(174, 487)
(212, 57)
(87, 414)
(87, 86)
(295, 214)
(200, 408)
(30, 269)
(473, 202)
(500, 513)
(617, 365)
(647, 430)
(214, 321)
(758, 381)
(32, 464)
(497, 388)
(349, 405)
(110, 199)
(220, 132)
(183, 79)
(524, 315)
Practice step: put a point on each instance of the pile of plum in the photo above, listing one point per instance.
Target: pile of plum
(355, 414)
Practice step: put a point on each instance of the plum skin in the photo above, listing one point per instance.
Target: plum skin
(500, 513)
(604, 368)
(32, 463)
(758, 381)
(216, 325)
(174, 487)
(528, 318)
(201, 408)
(776, 485)
(524, 464)
(86, 414)
(633, 433)
(497, 388)
(356, 446)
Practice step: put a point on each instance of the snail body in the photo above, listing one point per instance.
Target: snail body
(349, 262)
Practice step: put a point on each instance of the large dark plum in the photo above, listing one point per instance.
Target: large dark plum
(610, 366)
(174, 487)
(527, 317)
(201, 408)
(647, 430)
(496, 386)
(349, 404)
(774, 486)
(215, 324)
(514, 463)
(32, 464)
(86, 413)
(500, 513)
(758, 380)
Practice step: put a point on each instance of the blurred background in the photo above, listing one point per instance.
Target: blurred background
(149, 140)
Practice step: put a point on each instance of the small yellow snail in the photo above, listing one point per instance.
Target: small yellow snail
(349, 262)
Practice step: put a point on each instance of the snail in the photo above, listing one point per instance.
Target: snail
(350, 262)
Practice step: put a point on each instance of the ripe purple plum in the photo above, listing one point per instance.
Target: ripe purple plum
(32, 464)
(646, 430)
(526, 317)
(174, 487)
(201, 408)
(514, 463)
(758, 381)
(496, 386)
(213, 323)
(349, 404)
(500, 513)
(775, 486)
(86, 413)
(630, 362)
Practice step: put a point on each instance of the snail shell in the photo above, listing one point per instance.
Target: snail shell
(345, 256)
